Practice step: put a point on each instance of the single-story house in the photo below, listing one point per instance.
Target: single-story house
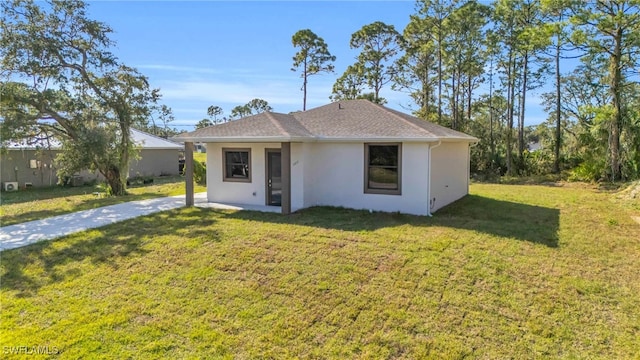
(353, 154)
(32, 161)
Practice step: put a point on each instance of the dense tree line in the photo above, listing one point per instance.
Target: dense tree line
(472, 66)
(253, 107)
(158, 122)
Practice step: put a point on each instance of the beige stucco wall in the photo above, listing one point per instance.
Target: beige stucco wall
(449, 173)
(155, 162)
(299, 155)
(335, 177)
(252, 193)
(15, 166)
(332, 174)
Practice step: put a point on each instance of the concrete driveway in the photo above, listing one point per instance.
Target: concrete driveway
(18, 235)
(14, 236)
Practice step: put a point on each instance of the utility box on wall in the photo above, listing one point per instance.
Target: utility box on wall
(77, 181)
(10, 186)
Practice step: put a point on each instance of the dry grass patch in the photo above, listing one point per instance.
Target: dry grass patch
(508, 272)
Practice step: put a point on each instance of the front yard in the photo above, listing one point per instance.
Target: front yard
(39, 203)
(511, 271)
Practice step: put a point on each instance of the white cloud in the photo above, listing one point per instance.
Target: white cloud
(283, 93)
(193, 72)
(185, 122)
(187, 110)
(226, 92)
(174, 68)
(190, 90)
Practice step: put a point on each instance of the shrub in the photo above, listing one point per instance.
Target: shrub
(200, 172)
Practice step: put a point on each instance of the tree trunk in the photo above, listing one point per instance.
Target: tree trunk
(440, 72)
(425, 92)
(616, 90)
(304, 87)
(454, 113)
(379, 81)
(469, 94)
(123, 165)
(510, 110)
(556, 161)
(522, 108)
(304, 96)
(462, 101)
(458, 100)
(491, 139)
(114, 180)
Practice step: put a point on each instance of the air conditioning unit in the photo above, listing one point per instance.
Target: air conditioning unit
(10, 186)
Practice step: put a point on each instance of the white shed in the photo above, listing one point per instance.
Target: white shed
(354, 154)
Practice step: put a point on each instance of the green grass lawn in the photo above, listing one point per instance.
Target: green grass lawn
(202, 157)
(37, 203)
(511, 271)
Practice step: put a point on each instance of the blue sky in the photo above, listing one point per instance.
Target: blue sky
(202, 53)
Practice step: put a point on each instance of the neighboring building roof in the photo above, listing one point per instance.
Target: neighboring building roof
(534, 146)
(140, 138)
(148, 141)
(351, 120)
(33, 144)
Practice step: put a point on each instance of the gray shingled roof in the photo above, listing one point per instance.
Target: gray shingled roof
(351, 120)
(149, 141)
(266, 125)
(140, 138)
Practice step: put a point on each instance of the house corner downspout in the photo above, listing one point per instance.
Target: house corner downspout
(429, 187)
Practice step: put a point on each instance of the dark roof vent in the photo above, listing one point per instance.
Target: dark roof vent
(339, 106)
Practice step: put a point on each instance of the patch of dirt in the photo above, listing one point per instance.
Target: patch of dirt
(579, 185)
(554, 184)
(632, 192)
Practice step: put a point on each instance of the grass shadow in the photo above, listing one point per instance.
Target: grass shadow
(58, 191)
(27, 269)
(44, 193)
(526, 222)
(476, 213)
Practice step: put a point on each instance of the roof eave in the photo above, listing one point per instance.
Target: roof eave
(241, 139)
(395, 139)
(266, 139)
(32, 148)
(460, 139)
(178, 147)
(375, 139)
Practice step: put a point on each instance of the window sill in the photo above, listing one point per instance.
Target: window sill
(236, 180)
(382, 192)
